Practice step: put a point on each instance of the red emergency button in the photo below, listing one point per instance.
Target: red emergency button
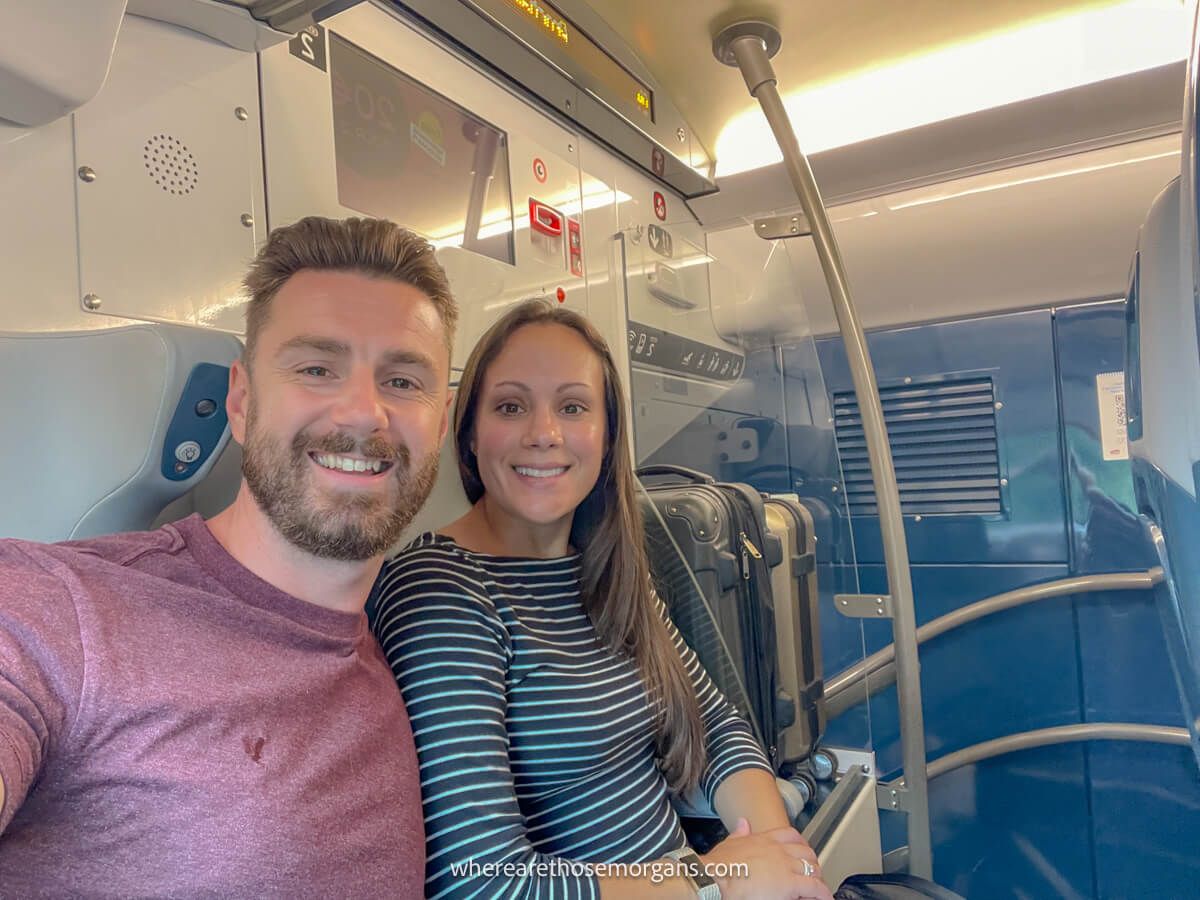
(545, 219)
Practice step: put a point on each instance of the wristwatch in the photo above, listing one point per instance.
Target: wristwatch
(692, 869)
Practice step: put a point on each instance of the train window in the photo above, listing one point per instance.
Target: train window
(406, 153)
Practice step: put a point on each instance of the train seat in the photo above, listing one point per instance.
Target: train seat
(107, 427)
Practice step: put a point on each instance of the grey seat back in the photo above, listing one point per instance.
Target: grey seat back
(103, 429)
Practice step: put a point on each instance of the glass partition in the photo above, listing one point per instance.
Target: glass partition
(720, 389)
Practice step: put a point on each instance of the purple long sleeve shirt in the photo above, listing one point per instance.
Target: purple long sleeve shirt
(172, 725)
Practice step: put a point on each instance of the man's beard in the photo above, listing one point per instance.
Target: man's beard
(343, 525)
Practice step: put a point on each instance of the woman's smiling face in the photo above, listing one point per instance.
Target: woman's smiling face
(540, 430)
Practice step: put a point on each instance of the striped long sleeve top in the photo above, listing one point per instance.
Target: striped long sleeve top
(535, 742)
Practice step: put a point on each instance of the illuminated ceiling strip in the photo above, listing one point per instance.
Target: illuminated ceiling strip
(1026, 62)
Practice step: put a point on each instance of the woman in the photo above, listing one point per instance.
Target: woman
(555, 707)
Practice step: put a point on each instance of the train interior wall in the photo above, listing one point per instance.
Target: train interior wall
(1103, 819)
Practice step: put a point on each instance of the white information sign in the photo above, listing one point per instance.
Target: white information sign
(1110, 395)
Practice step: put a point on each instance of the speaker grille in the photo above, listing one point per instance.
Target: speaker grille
(172, 166)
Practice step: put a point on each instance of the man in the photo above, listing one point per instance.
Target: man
(201, 710)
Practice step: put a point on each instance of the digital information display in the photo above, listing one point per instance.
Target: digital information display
(663, 350)
(540, 25)
(406, 153)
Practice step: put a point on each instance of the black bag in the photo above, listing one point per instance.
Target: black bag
(718, 532)
(892, 887)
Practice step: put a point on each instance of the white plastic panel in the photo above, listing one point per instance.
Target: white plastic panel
(1035, 235)
(161, 230)
(38, 256)
(301, 163)
(688, 310)
(1169, 367)
(54, 56)
(854, 848)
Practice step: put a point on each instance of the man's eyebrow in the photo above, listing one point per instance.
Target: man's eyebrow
(409, 358)
(314, 342)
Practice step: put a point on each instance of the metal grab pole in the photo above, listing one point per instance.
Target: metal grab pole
(745, 44)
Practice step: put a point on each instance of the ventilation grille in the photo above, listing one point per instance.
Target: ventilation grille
(943, 437)
(172, 166)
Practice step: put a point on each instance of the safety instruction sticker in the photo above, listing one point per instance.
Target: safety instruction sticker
(1110, 395)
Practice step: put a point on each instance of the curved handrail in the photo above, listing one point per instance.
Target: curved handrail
(1063, 734)
(849, 688)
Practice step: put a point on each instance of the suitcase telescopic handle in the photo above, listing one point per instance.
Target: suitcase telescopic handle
(669, 471)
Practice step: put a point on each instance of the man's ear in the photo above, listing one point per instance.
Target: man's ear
(450, 395)
(237, 401)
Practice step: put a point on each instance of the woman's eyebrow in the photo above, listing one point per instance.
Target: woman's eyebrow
(569, 386)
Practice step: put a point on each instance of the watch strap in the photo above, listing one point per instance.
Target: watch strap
(692, 868)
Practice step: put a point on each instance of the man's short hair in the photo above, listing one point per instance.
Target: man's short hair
(374, 247)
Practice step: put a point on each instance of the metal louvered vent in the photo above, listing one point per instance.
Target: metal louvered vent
(943, 437)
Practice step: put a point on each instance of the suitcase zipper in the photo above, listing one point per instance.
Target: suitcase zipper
(748, 550)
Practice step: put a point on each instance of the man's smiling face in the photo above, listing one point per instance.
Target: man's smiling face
(342, 411)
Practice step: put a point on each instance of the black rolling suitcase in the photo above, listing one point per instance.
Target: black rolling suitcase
(711, 554)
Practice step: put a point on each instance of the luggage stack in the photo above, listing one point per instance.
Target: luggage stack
(737, 572)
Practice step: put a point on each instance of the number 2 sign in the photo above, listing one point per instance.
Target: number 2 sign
(309, 45)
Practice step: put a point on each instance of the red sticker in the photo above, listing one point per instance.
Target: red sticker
(539, 170)
(660, 206)
(545, 219)
(575, 247)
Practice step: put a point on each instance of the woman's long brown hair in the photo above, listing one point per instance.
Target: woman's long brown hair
(616, 589)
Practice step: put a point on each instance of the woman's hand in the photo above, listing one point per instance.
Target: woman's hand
(780, 863)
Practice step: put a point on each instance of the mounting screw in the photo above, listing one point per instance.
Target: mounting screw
(999, 405)
(91, 301)
(916, 518)
(241, 113)
(568, 104)
(908, 379)
(248, 220)
(570, 148)
(87, 173)
(834, 489)
(1003, 482)
(681, 134)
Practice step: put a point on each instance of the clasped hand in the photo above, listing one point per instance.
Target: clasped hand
(780, 865)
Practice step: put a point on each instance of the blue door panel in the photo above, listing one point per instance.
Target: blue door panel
(1145, 798)
(1016, 350)
(1013, 671)
(1014, 827)
(1106, 535)
(1146, 820)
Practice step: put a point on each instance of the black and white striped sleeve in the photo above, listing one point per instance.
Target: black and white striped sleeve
(450, 652)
